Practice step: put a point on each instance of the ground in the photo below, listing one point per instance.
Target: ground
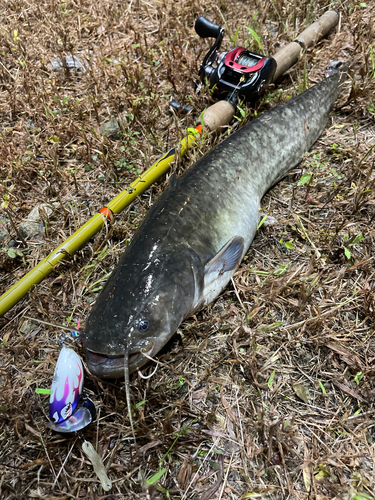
(269, 391)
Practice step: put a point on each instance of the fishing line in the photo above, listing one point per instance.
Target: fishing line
(127, 390)
(60, 327)
(235, 89)
(63, 464)
(170, 368)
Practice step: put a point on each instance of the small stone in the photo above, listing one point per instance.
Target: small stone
(30, 230)
(33, 228)
(72, 63)
(3, 230)
(40, 212)
(112, 128)
(28, 326)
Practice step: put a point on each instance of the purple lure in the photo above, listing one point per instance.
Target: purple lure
(66, 387)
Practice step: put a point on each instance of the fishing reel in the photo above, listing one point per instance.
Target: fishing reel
(238, 71)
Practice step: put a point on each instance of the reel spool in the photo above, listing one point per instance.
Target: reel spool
(238, 71)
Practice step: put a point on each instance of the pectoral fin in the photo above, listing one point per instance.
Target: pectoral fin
(227, 259)
(216, 270)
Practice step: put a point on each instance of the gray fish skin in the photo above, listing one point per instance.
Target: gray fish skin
(195, 235)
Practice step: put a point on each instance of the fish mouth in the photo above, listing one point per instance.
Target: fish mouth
(107, 366)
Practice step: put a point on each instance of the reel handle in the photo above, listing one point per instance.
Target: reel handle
(205, 29)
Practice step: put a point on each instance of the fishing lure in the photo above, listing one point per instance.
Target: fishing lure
(67, 385)
(66, 393)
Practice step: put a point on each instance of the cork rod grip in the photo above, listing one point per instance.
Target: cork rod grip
(218, 115)
(289, 55)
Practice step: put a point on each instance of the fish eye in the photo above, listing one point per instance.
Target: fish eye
(143, 325)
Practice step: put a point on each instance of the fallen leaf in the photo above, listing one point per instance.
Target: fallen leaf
(147, 447)
(347, 356)
(227, 407)
(184, 475)
(209, 493)
(32, 430)
(347, 390)
(307, 469)
(302, 392)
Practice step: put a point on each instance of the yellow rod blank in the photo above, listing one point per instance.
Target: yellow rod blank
(93, 226)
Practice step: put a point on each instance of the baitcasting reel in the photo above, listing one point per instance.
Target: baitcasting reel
(235, 72)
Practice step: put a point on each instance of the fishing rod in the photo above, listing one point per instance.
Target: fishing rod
(237, 72)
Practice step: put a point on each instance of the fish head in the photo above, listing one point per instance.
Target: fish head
(138, 311)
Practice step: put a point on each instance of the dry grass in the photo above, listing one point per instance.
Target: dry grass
(269, 391)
